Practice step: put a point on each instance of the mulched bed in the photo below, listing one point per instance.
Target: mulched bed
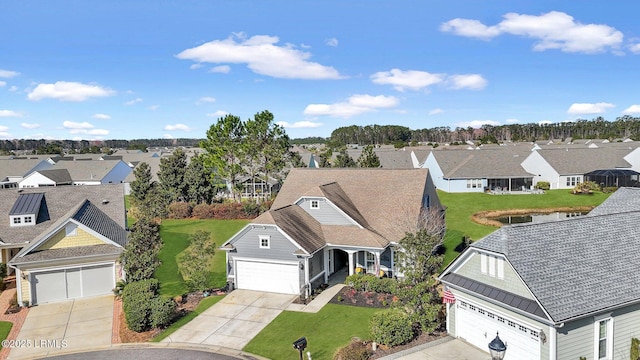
(349, 296)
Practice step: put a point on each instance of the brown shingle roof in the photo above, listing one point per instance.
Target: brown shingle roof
(300, 226)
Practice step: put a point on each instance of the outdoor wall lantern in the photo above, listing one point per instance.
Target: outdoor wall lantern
(300, 345)
(497, 348)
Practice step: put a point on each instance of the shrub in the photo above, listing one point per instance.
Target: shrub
(179, 210)
(635, 349)
(251, 209)
(202, 211)
(371, 283)
(162, 311)
(609, 189)
(3, 270)
(391, 327)
(543, 185)
(357, 350)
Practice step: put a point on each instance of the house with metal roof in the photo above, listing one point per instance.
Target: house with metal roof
(327, 220)
(479, 170)
(556, 290)
(63, 242)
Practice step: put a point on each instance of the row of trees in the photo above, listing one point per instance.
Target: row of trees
(367, 159)
(598, 128)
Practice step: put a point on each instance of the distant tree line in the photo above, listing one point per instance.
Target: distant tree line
(598, 128)
(43, 146)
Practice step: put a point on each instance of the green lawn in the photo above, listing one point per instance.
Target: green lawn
(326, 331)
(5, 328)
(202, 306)
(175, 236)
(460, 207)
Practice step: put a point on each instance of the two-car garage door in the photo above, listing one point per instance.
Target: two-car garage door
(266, 276)
(478, 326)
(72, 283)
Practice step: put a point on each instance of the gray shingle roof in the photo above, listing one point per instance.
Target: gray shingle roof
(624, 199)
(61, 201)
(27, 204)
(59, 176)
(577, 266)
(501, 162)
(581, 160)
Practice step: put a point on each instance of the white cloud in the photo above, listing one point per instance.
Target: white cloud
(355, 105)
(410, 79)
(13, 88)
(4, 132)
(553, 30)
(587, 108)
(195, 66)
(181, 127)
(3, 83)
(436, 111)
(206, 99)
(217, 114)
(331, 42)
(9, 113)
(30, 126)
(101, 116)
(512, 121)
(467, 81)
(222, 69)
(3, 128)
(633, 109)
(153, 107)
(635, 48)
(134, 101)
(8, 74)
(476, 124)
(167, 136)
(84, 128)
(300, 124)
(262, 56)
(68, 91)
(545, 122)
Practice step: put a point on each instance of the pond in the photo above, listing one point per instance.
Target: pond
(536, 218)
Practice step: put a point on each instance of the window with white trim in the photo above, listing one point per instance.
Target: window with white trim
(265, 241)
(28, 219)
(474, 183)
(603, 338)
(315, 204)
(17, 220)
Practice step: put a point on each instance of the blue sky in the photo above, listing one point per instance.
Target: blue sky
(169, 69)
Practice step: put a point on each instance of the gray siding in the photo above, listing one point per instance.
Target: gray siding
(248, 244)
(326, 214)
(452, 319)
(316, 264)
(510, 283)
(575, 339)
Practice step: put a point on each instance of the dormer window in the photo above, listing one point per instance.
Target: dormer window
(17, 220)
(315, 204)
(26, 209)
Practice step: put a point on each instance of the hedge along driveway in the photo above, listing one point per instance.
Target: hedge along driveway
(461, 206)
(175, 237)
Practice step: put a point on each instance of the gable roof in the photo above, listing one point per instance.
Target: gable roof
(500, 162)
(574, 267)
(374, 193)
(20, 167)
(571, 160)
(87, 170)
(92, 217)
(59, 176)
(62, 203)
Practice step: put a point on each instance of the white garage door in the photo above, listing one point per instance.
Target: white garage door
(270, 277)
(56, 285)
(478, 326)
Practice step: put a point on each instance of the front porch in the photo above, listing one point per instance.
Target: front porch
(339, 260)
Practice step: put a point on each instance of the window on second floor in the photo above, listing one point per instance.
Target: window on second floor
(315, 204)
(265, 242)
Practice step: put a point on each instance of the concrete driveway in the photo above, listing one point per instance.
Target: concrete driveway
(446, 348)
(65, 326)
(234, 321)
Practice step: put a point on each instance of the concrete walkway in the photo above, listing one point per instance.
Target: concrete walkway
(319, 301)
(234, 321)
(66, 326)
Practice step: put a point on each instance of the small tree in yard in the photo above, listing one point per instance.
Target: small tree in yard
(196, 260)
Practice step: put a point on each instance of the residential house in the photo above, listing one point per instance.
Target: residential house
(560, 290)
(41, 178)
(325, 220)
(63, 242)
(564, 168)
(95, 172)
(479, 170)
(12, 170)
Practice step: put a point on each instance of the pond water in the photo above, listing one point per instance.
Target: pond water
(535, 218)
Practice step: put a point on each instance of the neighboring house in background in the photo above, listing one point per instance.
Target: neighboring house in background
(564, 168)
(95, 172)
(558, 290)
(463, 170)
(257, 187)
(12, 171)
(42, 178)
(325, 220)
(63, 242)
(390, 158)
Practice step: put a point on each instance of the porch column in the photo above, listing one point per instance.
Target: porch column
(326, 265)
(351, 264)
(377, 263)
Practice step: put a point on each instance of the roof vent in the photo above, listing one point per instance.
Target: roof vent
(104, 201)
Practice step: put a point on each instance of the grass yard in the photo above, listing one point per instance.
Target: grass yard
(5, 328)
(326, 331)
(175, 236)
(460, 207)
(202, 306)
